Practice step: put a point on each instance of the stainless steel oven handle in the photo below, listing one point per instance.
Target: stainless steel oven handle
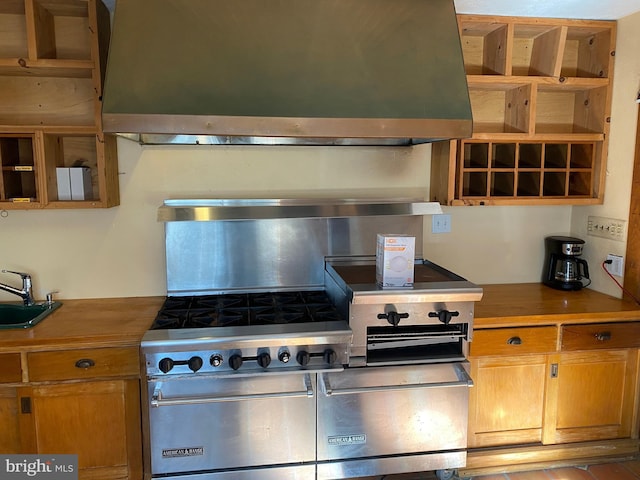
(464, 380)
(325, 385)
(158, 401)
(308, 384)
(157, 394)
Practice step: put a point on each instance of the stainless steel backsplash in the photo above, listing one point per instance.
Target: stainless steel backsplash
(269, 254)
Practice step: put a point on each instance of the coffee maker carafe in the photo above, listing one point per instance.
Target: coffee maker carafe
(563, 269)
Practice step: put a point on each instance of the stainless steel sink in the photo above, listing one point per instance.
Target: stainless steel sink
(23, 316)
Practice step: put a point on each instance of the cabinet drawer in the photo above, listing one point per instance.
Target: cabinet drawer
(11, 370)
(600, 335)
(83, 363)
(514, 341)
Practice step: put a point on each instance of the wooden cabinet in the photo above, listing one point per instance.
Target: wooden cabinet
(97, 420)
(551, 385)
(591, 396)
(509, 368)
(83, 363)
(11, 372)
(9, 425)
(600, 336)
(84, 402)
(540, 92)
(52, 61)
(507, 401)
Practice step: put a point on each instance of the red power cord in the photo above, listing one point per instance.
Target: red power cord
(618, 283)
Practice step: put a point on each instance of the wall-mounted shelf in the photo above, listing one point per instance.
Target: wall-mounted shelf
(540, 92)
(52, 61)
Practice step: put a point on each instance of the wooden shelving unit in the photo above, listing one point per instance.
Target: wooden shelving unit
(52, 62)
(540, 92)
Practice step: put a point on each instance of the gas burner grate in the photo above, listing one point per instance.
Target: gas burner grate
(219, 301)
(231, 310)
(324, 313)
(281, 316)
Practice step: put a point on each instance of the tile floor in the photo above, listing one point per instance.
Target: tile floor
(624, 470)
(628, 470)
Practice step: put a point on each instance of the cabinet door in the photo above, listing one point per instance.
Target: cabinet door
(99, 421)
(592, 396)
(9, 425)
(506, 404)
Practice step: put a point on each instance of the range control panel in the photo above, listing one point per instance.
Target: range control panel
(247, 360)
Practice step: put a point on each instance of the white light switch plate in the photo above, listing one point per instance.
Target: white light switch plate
(606, 227)
(441, 223)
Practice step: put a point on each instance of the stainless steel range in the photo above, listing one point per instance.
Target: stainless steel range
(276, 356)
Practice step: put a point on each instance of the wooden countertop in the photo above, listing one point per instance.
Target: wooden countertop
(536, 304)
(123, 321)
(87, 323)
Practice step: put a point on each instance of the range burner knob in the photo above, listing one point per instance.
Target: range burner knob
(264, 359)
(444, 316)
(329, 356)
(284, 357)
(393, 317)
(303, 357)
(195, 364)
(235, 361)
(215, 360)
(165, 365)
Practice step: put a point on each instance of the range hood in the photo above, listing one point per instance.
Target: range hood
(330, 72)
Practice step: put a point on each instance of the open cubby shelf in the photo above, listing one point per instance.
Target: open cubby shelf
(52, 55)
(525, 170)
(540, 92)
(18, 170)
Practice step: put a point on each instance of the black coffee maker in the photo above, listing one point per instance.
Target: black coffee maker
(563, 269)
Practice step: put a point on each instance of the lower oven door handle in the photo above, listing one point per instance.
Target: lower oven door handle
(464, 380)
(157, 399)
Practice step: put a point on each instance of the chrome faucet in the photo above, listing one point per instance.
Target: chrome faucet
(25, 293)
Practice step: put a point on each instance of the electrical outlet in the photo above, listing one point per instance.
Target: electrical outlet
(606, 228)
(616, 267)
(441, 223)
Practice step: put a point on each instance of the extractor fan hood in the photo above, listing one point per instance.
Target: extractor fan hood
(341, 72)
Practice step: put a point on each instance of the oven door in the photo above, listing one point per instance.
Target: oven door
(207, 423)
(394, 419)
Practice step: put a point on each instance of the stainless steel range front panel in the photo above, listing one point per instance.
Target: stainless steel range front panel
(364, 316)
(223, 423)
(374, 414)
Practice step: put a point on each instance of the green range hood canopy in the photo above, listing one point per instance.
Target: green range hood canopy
(363, 72)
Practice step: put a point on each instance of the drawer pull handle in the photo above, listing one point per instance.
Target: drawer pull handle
(85, 363)
(515, 341)
(603, 336)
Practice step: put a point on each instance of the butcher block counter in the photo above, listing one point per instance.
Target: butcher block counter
(87, 323)
(533, 304)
